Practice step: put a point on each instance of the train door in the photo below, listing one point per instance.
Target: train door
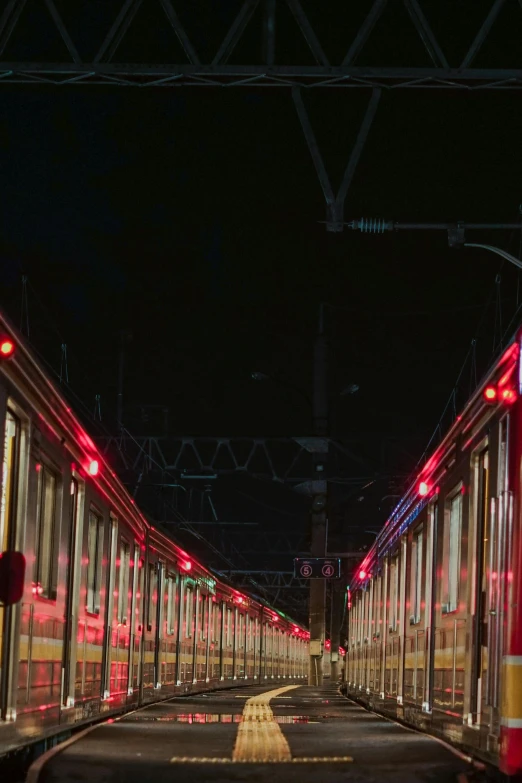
(74, 571)
(138, 620)
(482, 544)
(491, 520)
(160, 603)
(134, 625)
(11, 534)
(430, 604)
(109, 608)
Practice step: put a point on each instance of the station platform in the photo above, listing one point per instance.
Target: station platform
(256, 734)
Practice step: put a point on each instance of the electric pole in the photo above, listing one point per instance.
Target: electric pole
(319, 516)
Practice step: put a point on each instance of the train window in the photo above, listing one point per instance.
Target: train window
(171, 602)
(503, 455)
(160, 599)
(452, 543)
(394, 592)
(217, 625)
(229, 628)
(10, 477)
(189, 612)
(94, 565)
(241, 631)
(416, 578)
(123, 586)
(203, 618)
(153, 586)
(376, 629)
(46, 548)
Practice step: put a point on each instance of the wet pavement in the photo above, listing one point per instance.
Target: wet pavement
(260, 735)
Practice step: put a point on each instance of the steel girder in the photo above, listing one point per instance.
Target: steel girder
(282, 460)
(74, 36)
(67, 65)
(275, 580)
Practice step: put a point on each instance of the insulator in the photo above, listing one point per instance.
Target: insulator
(372, 225)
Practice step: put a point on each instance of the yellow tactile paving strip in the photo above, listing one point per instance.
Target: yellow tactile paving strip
(259, 739)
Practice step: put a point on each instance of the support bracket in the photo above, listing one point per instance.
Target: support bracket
(335, 203)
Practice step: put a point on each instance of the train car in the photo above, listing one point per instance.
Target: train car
(435, 608)
(113, 613)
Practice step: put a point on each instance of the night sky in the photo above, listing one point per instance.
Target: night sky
(192, 218)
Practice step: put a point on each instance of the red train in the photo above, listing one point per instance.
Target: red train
(435, 634)
(113, 614)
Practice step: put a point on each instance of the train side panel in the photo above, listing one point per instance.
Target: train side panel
(432, 628)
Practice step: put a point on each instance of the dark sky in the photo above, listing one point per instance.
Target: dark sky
(191, 217)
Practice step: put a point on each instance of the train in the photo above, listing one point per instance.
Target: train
(112, 613)
(435, 605)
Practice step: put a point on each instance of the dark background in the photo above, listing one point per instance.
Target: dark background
(192, 218)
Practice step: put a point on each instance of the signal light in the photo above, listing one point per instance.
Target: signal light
(7, 348)
(186, 565)
(423, 489)
(490, 394)
(94, 467)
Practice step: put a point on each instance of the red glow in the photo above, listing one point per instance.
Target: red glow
(362, 574)
(38, 467)
(94, 467)
(186, 565)
(423, 489)
(7, 348)
(508, 395)
(490, 393)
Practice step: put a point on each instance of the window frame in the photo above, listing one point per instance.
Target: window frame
(417, 554)
(123, 582)
(189, 610)
(93, 592)
(170, 617)
(393, 619)
(152, 587)
(451, 561)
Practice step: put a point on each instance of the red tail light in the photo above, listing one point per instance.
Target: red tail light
(7, 348)
(508, 395)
